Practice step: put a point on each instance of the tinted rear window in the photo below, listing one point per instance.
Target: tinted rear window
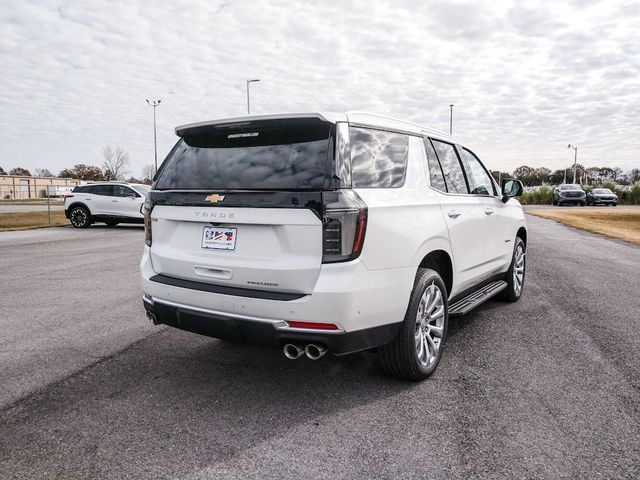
(286, 154)
(106, 190)
(378, 158)
(451, 167)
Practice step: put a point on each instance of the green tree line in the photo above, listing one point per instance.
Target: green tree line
(533, 177)
(614, 179)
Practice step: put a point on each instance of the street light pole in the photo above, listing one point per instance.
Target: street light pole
(575, 161)
(248, 103)
(451, 120)
(154, 104)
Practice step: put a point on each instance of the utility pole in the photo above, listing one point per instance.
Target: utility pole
(451, 119)
(248, 103)
(575, 160)
(154, 104)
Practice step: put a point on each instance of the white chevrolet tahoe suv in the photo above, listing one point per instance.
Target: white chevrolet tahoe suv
(107, 202)
(335, 233)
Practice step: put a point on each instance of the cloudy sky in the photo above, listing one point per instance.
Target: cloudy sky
(526, 78)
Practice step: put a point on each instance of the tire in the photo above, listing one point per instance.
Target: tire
(515, 280)
(582, 204)
(558, 203)
(111, 224)
(417, 350)
(80, 217)
(554, 202)
(614, 204)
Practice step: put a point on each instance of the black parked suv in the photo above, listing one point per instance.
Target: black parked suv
(569, 193)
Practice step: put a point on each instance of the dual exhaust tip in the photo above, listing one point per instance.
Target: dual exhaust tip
(152, 318)
(312, 351)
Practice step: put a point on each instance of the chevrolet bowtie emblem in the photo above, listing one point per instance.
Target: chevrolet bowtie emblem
(215, 198)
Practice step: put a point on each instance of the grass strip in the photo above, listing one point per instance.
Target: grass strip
(27, 220)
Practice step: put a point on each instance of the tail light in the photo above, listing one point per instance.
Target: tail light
(343, 226)
(147, 207)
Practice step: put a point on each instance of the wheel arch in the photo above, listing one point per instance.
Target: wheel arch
(522, 233)
(79, 204)
(440, 261)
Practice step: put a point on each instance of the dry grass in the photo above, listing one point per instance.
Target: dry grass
(26, 220)
(615, 223)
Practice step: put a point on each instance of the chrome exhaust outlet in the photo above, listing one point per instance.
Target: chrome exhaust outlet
(292, 351)
(315, 352)
(152, 317)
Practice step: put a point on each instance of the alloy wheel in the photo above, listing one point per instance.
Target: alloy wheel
(518, 269)
(429, 325)
(78, 217)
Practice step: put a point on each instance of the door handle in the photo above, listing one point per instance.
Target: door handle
(115, 201)
(488, 211)
(454, 213)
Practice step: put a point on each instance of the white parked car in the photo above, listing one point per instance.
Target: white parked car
(336, 233)
(107, 202)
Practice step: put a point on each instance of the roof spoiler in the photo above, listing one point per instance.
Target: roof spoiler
(240, 122)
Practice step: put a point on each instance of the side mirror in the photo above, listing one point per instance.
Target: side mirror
(511, 188)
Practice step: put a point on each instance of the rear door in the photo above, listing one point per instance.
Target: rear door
(102, 200)
(240, 205)
(463, 212)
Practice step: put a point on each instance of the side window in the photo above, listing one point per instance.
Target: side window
(378, 158)
(106, 190)
(435, 171)
(451, 168)
(79, 189)
(122, 191)
(479, 180)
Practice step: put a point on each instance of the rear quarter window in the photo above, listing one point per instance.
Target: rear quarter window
(378, 158)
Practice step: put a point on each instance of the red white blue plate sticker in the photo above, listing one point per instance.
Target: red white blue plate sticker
(219, 238)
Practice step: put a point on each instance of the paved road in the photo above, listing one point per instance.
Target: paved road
(548, 387)
(25, 207)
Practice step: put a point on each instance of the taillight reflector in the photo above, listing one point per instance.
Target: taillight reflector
(312, 325)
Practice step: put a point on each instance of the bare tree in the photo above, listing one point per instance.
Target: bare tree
(116, 163)
(43, 172)
(148, 172)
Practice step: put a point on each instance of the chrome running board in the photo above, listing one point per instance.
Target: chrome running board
(476, 298)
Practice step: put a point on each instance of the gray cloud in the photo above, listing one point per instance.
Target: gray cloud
(525, 79)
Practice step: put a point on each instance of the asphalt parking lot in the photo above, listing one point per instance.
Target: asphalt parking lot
(548, 387)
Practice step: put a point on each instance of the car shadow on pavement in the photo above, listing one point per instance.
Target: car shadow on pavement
(177, 400)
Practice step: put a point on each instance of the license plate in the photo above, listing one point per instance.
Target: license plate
(219, 238)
